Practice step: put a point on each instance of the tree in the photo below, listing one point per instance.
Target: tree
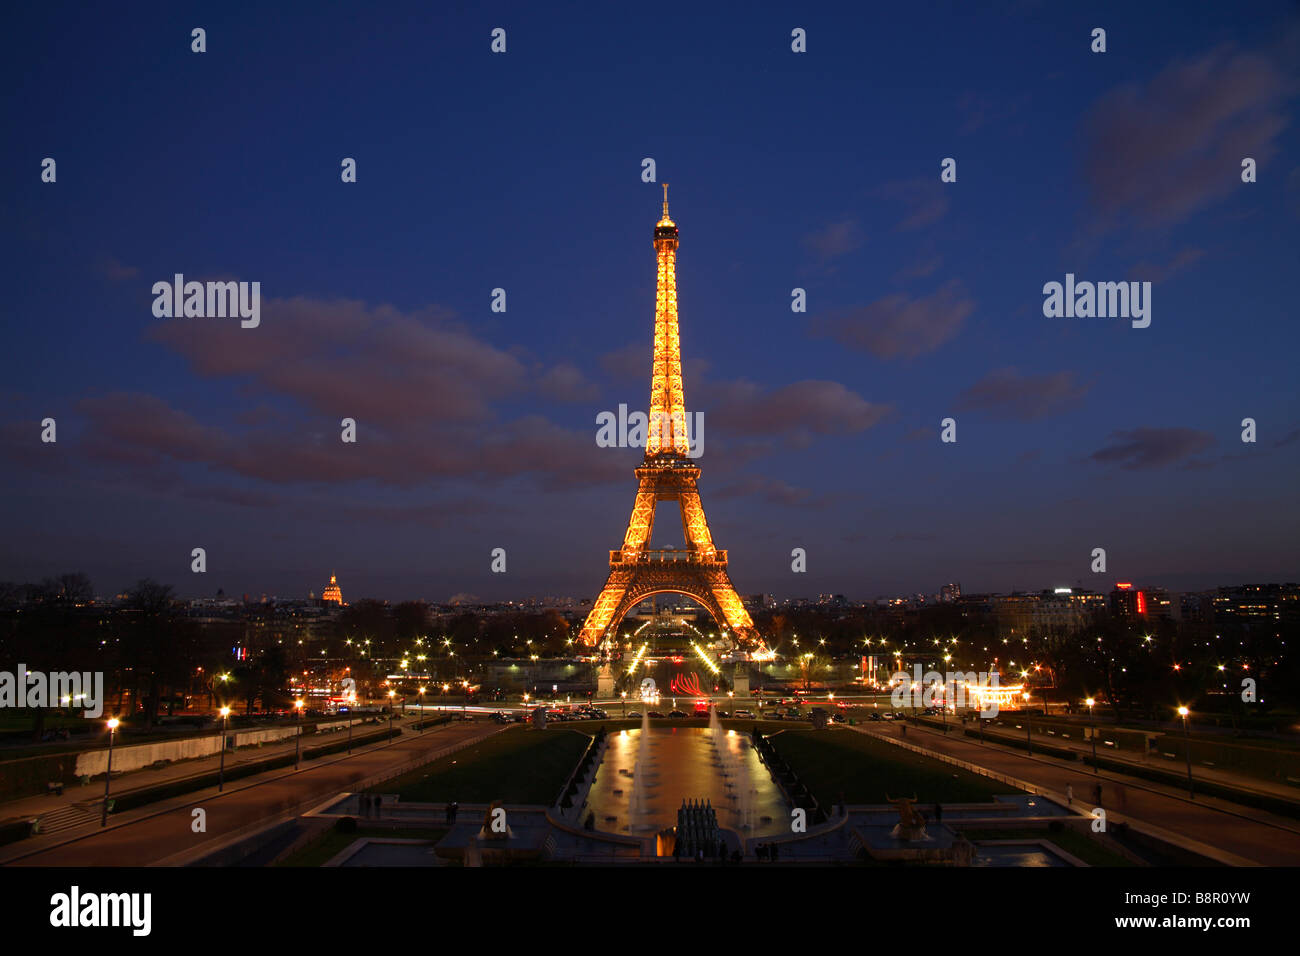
(159, 649)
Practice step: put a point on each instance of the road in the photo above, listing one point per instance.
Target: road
(1254, 836)
(153, 834)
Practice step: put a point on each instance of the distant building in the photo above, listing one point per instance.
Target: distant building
(1127, 603)
(949, 593)
(332, 593)
(1258, 604)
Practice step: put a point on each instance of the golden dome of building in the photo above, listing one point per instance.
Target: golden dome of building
(332, 593)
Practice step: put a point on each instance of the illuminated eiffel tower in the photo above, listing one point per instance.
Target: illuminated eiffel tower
(668, 473)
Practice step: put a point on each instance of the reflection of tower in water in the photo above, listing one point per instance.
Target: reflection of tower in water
(733, 765)
(642, 780)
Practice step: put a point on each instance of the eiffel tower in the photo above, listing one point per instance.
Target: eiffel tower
(668, 473)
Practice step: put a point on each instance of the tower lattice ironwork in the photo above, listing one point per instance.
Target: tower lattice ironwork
(668, 473)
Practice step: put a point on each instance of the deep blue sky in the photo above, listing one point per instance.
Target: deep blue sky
(523, 170)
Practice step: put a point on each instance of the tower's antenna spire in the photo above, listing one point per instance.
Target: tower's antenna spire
(665, 200)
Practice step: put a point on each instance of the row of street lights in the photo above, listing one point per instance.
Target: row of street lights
(298, 707)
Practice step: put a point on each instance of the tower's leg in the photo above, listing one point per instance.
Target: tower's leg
(642, 522)
(733, 609)
(694, 525)
(602, 612)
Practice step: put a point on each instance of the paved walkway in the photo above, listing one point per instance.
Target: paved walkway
(163, 831)
(55, 812)
(1227, 778)
(1240, 834)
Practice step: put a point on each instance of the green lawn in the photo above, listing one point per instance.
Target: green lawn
(865, 770)
(332, 843)
(521, 765)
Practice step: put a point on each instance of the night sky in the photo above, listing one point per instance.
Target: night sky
(522, 170)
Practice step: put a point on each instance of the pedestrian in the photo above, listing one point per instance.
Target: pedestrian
(455, 809)
(1069, 794)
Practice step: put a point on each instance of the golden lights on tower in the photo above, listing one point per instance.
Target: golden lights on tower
(668, 473)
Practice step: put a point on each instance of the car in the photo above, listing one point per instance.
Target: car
(748, 714)
(599, 715)
(887, 716)
(677, 714)
(656, 714)
(838, 718)
(634, 713)
(723, 713)
(875, 716)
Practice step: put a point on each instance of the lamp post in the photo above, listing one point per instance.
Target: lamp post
(1187, 747)
(221, 768)
(391, 695)
(297, 753)
(351, 705)
(624, 703)
(1029, 727)
(1090, 702)
(108, 777)
(421, 710)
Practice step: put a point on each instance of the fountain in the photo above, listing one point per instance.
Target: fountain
(734, 770)
(646, 775)
(638, 806)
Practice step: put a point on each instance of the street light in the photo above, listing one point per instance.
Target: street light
(624, 703)
(1095, 768)
(297, 754)
(1187, 746)
(421, 710)
(221, 769)
(391, 695)
(108, 777)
